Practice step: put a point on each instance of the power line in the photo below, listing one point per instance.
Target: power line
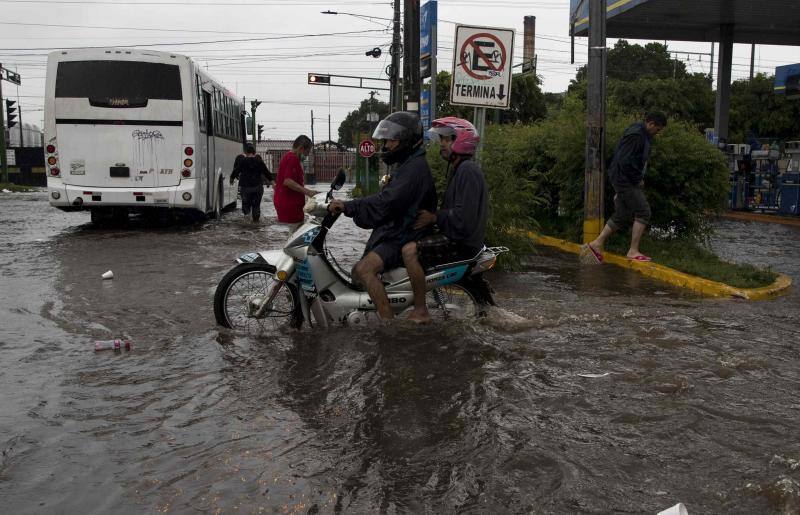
(267, 38)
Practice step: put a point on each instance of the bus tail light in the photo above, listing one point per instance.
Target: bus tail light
(188, 151)
(55, 172)
(186, 173)
(188, 163)
(52, 160)
(187, 196)
(51, 149)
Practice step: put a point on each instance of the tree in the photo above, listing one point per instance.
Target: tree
(755, 107)
(690, 98)
(632, 62)
(356, 121)
(527, 100)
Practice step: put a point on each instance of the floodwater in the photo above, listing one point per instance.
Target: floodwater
(696, 399)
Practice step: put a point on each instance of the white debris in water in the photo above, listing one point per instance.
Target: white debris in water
(505, 320)
(6, 191)
(595, 376)
(791, 463)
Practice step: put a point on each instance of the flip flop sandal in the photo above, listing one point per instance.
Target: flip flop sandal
(641, 258)
(598, 256)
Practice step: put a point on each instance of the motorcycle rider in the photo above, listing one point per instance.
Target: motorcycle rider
(391, 213)
(462, 217)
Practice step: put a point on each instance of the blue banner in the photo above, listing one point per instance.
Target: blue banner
(425, 110)
(428, 15)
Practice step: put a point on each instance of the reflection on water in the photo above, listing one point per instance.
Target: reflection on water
(614, 394)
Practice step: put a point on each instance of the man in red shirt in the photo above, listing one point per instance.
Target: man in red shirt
(290, 191)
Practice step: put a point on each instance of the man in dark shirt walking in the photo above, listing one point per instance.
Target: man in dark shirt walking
(251, 172)
(462, 217)
(626, 174)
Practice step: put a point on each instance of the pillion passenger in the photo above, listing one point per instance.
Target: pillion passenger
(391, 213)
(461, 220)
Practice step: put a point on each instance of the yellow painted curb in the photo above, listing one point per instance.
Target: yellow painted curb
(674, 277)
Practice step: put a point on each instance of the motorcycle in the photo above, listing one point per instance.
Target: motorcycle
(303, 282)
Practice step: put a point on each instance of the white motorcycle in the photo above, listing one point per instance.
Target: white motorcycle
(303, 282)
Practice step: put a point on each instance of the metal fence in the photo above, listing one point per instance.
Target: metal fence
(326, 164)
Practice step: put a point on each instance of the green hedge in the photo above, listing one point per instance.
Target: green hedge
(536, 176)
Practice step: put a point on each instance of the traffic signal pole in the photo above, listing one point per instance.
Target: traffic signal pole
(3, 157)
(253, 106)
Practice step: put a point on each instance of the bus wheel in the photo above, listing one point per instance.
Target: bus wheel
(220, 200)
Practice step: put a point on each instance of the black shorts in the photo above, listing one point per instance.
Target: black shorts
(630, 205)
(438, 249)
(390, 252)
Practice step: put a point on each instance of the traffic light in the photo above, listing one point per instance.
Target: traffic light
(315, 78)
(10, 116)
(260, 131)
(249, 124)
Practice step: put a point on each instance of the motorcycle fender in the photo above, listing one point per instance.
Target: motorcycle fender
(276, 258)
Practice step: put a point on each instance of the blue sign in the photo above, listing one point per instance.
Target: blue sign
(787, 80)
(428, 15)
(425, 110)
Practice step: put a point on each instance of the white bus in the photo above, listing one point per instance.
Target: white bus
(138, 130)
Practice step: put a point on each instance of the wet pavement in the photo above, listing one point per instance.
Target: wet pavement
(696, 400)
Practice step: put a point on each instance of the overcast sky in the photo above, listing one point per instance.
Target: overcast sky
(275, 70)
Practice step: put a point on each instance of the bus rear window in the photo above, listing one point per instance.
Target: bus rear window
(118, 83)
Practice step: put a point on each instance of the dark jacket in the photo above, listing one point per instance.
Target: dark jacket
(465, 209)
(251, 172)
(392, 211)
(630, 158)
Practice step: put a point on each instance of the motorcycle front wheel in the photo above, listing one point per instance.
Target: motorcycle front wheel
(250, 299)
(452, 302)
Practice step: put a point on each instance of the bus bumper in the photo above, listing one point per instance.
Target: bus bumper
(71, 197)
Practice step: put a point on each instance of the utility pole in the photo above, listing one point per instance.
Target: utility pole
(411, 73)
(595, 122)
(711, 69)
(312, 128)
(752, 59)
(394, 68)
(329, 128)
(3, 157)
(253, 106)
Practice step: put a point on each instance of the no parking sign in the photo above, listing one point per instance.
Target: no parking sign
(482, 63)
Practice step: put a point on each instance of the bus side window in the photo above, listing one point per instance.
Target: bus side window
(201, 112)
(218, 128)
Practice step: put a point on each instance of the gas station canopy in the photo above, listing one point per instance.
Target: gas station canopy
(773, 22)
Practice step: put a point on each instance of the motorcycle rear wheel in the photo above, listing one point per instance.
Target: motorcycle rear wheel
(452, 302)
(243, 290)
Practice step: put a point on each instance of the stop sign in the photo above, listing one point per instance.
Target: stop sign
(366, 148)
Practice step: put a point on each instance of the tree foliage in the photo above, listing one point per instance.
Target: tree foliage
(356, 121)
(755, 107)
(645, 78)
(627, 62)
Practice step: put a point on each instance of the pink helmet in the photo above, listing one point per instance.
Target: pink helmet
(466, 137)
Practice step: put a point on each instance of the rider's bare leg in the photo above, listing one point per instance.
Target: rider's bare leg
(417, 277)
(366, 272)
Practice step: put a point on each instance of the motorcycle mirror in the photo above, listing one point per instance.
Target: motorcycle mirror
(339, 180)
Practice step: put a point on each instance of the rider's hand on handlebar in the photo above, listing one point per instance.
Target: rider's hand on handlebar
(336, 206)
(424, 219)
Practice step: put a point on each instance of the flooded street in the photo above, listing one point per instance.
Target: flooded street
(690, 399)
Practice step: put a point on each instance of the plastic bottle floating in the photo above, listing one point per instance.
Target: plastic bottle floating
(115, 345)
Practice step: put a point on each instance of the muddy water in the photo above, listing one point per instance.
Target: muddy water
(696, 400)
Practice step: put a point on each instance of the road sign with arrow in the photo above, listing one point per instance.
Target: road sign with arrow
(482, 64)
